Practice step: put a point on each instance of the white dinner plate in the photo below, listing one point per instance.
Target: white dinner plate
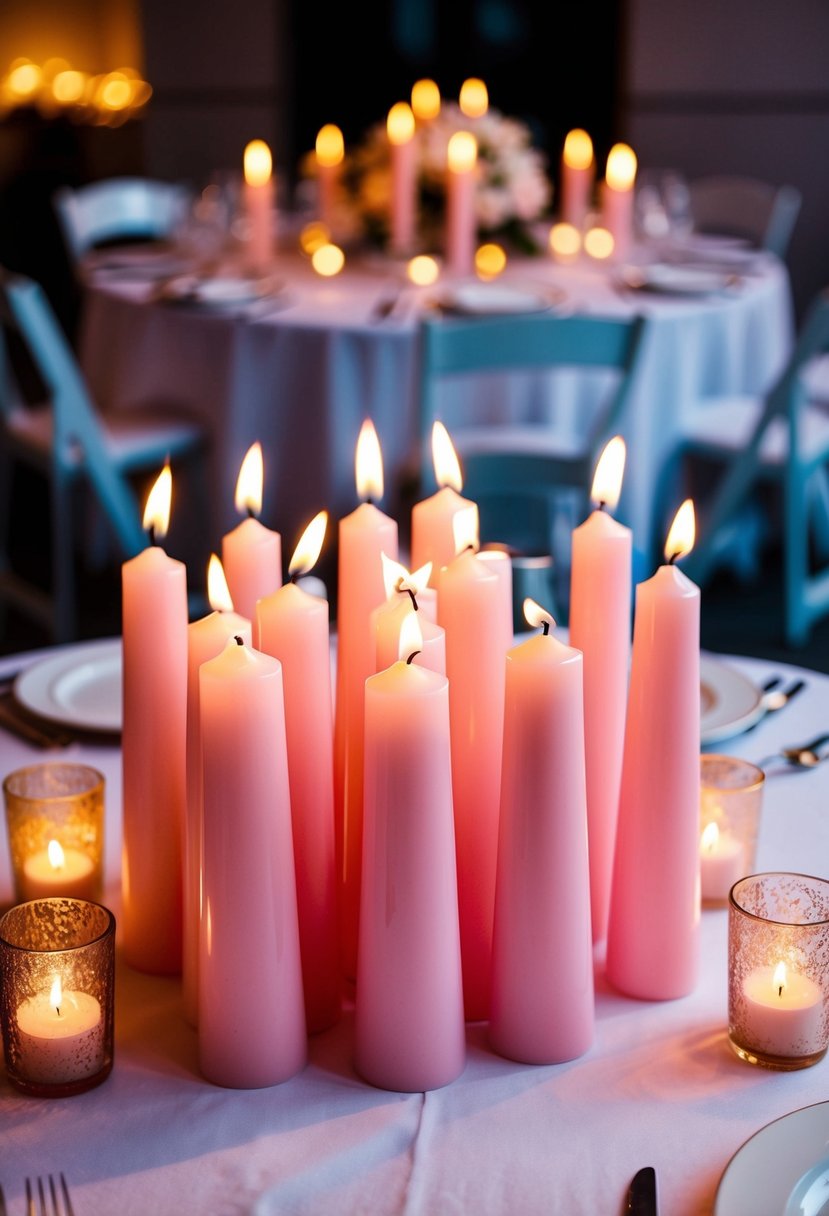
(497, 299)
(668, 279)
(729, 701)
(223, 291)
(80, 686)
(783, 1169)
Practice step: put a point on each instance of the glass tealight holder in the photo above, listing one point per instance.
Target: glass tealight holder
(55, 822)
(731, 796)
(57, 1006)
(778, 969)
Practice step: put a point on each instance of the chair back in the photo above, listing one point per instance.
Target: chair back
(746, 207)
(116, 208)
(77, 431)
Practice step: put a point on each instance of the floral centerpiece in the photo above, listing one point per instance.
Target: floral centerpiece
(512, 189)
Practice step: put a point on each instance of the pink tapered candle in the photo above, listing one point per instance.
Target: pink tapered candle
(577, 173)
(400, 128)
(154, 608)
(258, 201)
(292, 626)
(600, 619)
(461, 165)
(330, 152)
(542, 955)
(500, 563)
(409, 1005)
(433, 538)
(405, 592)
(363, 536)
(251, 553)
(653, 930)
(617, 197)
(205, 639)
(469, 610)
(251, 1015)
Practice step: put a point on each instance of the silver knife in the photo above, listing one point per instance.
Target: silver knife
(642, 1193)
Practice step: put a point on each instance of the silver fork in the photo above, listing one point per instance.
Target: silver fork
(43, 1209)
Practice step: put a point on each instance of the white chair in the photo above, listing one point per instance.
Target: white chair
(746, 207)
(117, 208)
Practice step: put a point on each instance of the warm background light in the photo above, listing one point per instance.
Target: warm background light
(313, 236)
(490, 260)
(578, 149)
(474, 98)
(258, 163)
(599, 243)
(621, 167)
(462, 152)
(328, 260)
(400, 124)
(68, 86)
(330, 145)
(565, 240)
(422, 270)
(425, 100)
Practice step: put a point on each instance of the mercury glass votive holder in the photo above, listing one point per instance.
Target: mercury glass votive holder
(57, 966)
(731, 796)
(55, 822)
(778, 969)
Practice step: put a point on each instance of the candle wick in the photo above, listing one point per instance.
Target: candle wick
(780, 990)
(413, 655)
(251, 512)
(57, 1010)
(602, 505)
(674, 556)
(151, 533)
(368, 499)
(411, 593)
(546, 628)
(469, 547)
(240, 641)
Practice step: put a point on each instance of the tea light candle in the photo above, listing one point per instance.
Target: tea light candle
(783, 1011)
(58, 871)
(60, 1036)
(722, 862)
(251, 553)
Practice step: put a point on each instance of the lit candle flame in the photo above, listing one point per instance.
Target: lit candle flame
(328, 260)
(157, 511)
(218, 592)
(620, 173)
(445, 458)
(258, 163)
(330, 147)
(56, 994)
(425, 100)
(536, 616)
(710, 837)
(422, 270)
(474, 98)
(462, 152)
(610, 468)
(465, 529)
(490, 261)
(779, 978)
(369, 463)
(396, 578)
(55, 854)
(599, 243)
(400, 124)
(313, 237)
(682, 532)
(565, 240)
(411, 638)
(578, 149)
(309, 545)
(250, 481)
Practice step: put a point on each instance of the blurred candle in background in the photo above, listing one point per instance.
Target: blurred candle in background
(400, 127)
(425, 101)
(251, 553)
(474, 98)
(330, 151)
(433, 537)
(617, 197)
(461, 162)
(259, 204)
(577, 172)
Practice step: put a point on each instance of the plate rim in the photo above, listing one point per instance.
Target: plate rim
(720, 280)
(734, 726)
(55, 665)
(549, 296)
(721, 1198)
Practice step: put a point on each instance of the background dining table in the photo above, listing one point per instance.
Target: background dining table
(660, 1085)
(300, 369)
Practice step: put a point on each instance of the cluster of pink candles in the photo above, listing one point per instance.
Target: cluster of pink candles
(444, 832)
(578, 169)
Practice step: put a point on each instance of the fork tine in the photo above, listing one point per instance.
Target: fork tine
(42, 1197)
(30, 1203)
(53, 1193)
(70, 1211)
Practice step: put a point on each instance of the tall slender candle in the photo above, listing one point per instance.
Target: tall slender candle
(258, 204)
(600, 619)
(153, 745)
(469, 611)
(404, 591)
(292, 626)
(409, 1005)
(400, 127)
(205, 639)
(617, 197)
(251, 553)
(461, 164)
(653, 930)
(363, 536)
(433, 538)
(251, 1015)
(542, 955)
(330, 151)
(577, 172)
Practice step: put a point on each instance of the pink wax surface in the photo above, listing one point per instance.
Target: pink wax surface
(403, 186)
(387, 621)
(576, 191)
(460, 221)
(617, 218)
(433, 537)
(252, 561)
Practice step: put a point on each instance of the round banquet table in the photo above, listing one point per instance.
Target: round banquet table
(660, 1086)
(301, 371)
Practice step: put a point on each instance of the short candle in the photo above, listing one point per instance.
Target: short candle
(61, 1036)
(783, 1012)
(722, 863)
(58, 871)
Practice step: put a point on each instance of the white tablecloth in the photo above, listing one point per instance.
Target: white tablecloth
(660, 1086)
(302, 378)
